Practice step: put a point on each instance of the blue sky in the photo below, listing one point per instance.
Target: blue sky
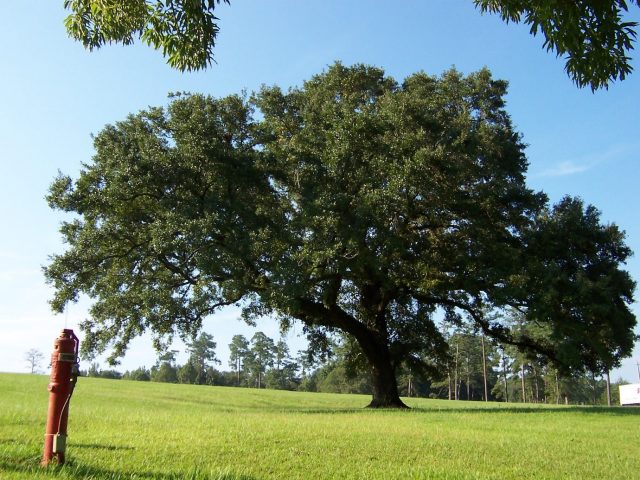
(54, 95)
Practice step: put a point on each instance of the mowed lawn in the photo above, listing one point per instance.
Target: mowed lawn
(121, 430)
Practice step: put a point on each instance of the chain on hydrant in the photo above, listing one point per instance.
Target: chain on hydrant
(64, 375)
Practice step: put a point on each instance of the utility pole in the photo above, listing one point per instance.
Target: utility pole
(468, 379)
(455, 378)
(504, 373)
(484, 370)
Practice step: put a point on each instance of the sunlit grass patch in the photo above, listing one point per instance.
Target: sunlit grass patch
(122, 430)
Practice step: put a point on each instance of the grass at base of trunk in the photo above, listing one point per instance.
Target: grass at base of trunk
(122, 430)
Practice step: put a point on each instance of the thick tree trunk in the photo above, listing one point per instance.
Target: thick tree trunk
(373, 341)
(385, 387)
(385, 395)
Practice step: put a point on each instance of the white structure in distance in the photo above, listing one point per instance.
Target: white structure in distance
(630, 394)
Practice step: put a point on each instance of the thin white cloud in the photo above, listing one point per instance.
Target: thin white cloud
(587, 162)
(565, 168)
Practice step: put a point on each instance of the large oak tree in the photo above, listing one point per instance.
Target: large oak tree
(352, 204)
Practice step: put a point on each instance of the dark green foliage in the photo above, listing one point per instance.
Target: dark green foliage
(353, 204)
(411, 384)
(238, 351)
(334, 378)
(591, 35)
(95, 371)
(465, 372)
(201, 355)
(283, 375)
(165, 370)
(259, 358)
(140, 374)
(184, 30)
(188, 373)
(164, 373)
(283, 378)
(581, 296)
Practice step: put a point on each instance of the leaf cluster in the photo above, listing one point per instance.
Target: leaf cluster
(591, 35)
(184, 30)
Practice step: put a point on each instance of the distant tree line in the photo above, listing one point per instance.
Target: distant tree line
(478, 369)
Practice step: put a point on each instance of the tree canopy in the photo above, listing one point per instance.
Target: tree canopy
(592, 36)
(354, 204)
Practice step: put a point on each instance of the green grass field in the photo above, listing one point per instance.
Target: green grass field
(122, 430)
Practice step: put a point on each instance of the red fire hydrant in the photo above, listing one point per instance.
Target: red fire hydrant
(64, 374)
